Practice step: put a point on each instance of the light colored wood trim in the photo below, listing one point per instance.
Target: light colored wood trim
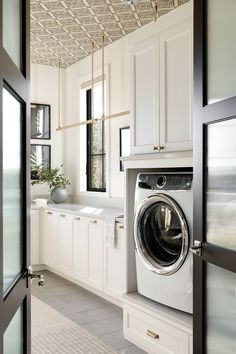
(92, 121)
(59, 94)
(88, 84)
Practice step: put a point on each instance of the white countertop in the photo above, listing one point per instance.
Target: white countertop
(86, 210)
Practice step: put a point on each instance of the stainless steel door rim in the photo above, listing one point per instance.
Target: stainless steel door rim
(142, 248)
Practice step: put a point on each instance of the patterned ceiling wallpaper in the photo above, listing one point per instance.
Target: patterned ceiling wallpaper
(63, 30)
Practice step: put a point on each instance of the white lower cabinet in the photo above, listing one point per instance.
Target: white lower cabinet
(65, 242)
(35, 236)
(95, 253)
(155, 334)
(75, 246)
(50, 238)
(114, 279)
(80, 248)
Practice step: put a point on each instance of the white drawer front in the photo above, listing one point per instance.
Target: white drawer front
(169, 340)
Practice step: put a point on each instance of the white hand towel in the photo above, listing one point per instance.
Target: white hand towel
(110, 238)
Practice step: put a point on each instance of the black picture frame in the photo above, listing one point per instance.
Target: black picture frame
(46, 163)
(123, 144)
(47, 111)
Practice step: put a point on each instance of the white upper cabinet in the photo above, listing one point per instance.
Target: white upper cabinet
(161, 71)
(176, 66)
(145, 106)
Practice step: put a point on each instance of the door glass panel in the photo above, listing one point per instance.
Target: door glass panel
(221, 68)
(12, 193)
(13, 337)
(221, 185)
(12, 29)
(221, 311)
(161, 234)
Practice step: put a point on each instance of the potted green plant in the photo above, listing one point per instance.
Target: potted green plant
(54, 179)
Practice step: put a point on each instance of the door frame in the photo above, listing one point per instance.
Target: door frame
(17, 82)
(204, 114)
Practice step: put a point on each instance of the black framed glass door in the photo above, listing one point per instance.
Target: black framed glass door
(14, 177)
(215, 177)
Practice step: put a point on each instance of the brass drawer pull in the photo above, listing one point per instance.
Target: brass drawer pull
(62, 215)
(152, 334)
(78, 219)
(49, 213)
(93, 221)
(158, 147)
(121, 227)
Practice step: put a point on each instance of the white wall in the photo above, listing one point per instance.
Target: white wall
(44, 89)
(117, 56)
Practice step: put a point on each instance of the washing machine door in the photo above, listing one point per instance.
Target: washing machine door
(161, 234)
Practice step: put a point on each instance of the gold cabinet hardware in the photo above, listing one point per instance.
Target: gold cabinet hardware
(121, 227)
(49, 213)
(152, 334)
(77, 218)
(158, 148)
(62, 215)
(93, 221)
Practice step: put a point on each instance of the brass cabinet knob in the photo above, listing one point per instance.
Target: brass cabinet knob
(93, 221)
(158, 148)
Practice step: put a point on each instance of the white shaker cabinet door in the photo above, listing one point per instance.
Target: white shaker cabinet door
(176, 66)
(145, 95)
(35, 237)
(96, 253)
(50, 238)
(80, 247)
(65, 242)
(115, 265)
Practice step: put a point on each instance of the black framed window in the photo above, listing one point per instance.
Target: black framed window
(96, 156)
(40, 157)
(40, 121)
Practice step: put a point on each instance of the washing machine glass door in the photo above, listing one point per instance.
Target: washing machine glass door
(161, 234)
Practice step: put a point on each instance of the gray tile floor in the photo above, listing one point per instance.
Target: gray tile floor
(97, 315)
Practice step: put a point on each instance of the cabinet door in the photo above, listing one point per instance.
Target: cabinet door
(35, 234)
(80, 247)
(176, 65)
(145, 105)
(96, 252)
(65, 242)
(50, 238)
(114, 282)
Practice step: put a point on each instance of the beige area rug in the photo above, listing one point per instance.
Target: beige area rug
(53, 333)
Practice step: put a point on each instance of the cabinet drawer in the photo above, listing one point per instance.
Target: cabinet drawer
(152, 334)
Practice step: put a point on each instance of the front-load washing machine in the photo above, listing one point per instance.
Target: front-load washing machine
(163, 236)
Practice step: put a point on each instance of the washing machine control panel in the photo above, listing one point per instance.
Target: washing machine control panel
(165, 181)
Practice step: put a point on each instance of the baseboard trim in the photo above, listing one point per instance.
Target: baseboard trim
(115, 301)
